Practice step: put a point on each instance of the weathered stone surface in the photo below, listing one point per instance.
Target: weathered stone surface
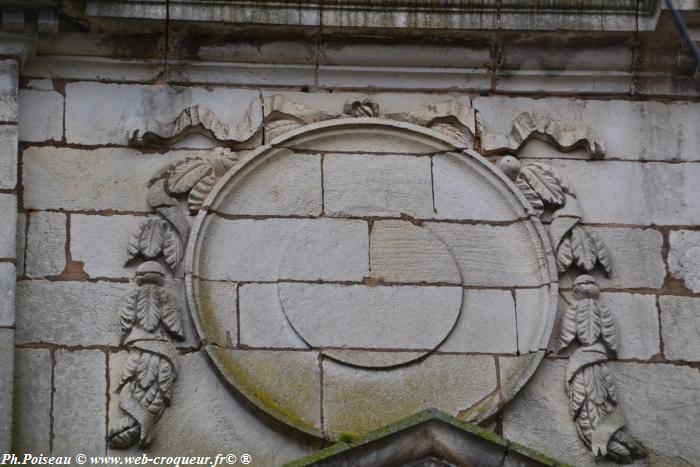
(8, 227)
(364, 317)
(267, 250)
(539, 417)
(205, 419)
(680, 326)
(8, 90)
(32, 401)
(368, 185)
(533, 316)
(635, 189)
(116, 178)
(635, 255)
(219, 320)
(20, 241)
(403, 252)
(684, 257)
(80, 402)
(262, 320)
(285, 184)
(465, 190)
(511, 370)
(648, 130)
(660, 404)
(486, 324)
(8, 157)
(8, 276)
(99, 242)
(487, 255)
(46, 244)
(40, 115)
(637, 324)
(374, 140)
(7, 343)
(68, 313)
(376, 395)
(99, 113)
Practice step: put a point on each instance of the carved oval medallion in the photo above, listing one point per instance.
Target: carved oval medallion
(353, 272)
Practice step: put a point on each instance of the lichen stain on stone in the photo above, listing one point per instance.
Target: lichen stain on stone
(259, 397)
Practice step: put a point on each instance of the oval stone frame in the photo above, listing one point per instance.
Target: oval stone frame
(272, 395)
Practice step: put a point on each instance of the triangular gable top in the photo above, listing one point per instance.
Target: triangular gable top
(430, 438)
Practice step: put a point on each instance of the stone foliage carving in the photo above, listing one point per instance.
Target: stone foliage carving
(591, 387)
(149, 311)
(544, 188)
(590, 384)
(148, 319)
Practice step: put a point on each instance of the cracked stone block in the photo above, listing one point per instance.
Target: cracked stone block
(497, 256)
(273, 187)
(657, 395)
(684, 257)
(680, 327)
(8, 157)
(635, 255)
(204, 419)
(40, 115)
(32, 418)
(8, 277)
(8, 90)
(479, 199)
(262, 320)
(46, 244)
(486, 324)
(80, 403)
(348, 391)
(272, 249)
(100, 242)
(98, 113)
(369, 185)
(68, 313)
(8, 227)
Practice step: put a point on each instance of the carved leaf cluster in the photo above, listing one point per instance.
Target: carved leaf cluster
(155, 237)
(150, 306)
(592, 395)
(584, 249)
(542, 186)
(126, 432)
(195, 177)
(588, 320)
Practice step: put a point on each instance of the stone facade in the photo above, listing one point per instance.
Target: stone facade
(265, 229)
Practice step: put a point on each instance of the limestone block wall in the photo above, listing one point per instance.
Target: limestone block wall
(81, 192)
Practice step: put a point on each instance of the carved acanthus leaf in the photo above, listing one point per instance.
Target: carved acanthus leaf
(548, 185)
(568, 327)
(185, 175)
(565, 255)
(528, 125)
(365, 108)
(172, 248)
(127, 313)
(587, 321)
(531, 196)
